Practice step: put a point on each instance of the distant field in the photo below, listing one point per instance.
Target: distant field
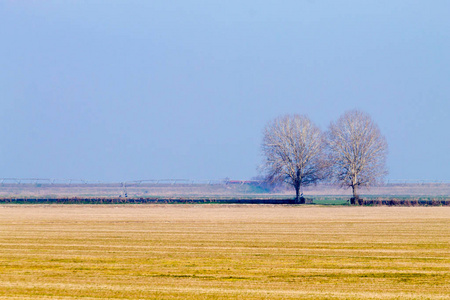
(411, 194)
(224, 252)
(321, 192)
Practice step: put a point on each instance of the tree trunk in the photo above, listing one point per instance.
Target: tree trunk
(355, 199)
(355, 193)
(299, 199)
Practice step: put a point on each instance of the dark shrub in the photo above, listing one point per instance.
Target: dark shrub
(435, 202)
(394, 202)
(356, 200)
(406, 202)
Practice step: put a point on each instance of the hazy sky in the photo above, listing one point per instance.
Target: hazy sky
(125, 90)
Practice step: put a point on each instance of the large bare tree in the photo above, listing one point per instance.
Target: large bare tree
(293, 148)
(357, 151)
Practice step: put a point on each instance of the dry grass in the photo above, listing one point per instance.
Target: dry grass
(224, 252)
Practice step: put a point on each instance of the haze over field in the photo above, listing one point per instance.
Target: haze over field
(126, 90)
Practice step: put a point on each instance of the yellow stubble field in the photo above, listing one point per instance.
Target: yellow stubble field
(223, 252)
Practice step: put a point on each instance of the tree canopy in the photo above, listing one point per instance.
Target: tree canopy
(356, 150)
(293, 148)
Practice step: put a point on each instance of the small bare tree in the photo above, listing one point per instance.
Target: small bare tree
(357, 151)
(293, 150)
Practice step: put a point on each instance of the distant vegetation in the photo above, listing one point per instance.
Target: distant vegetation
(225, 192)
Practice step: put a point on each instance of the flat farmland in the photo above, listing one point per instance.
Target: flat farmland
(223, 252)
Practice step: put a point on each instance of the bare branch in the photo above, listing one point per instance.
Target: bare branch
(356, 150)
(294, 151)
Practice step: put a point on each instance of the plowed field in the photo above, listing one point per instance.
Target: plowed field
(223, 252)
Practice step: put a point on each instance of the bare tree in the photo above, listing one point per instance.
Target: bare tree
(293, 149)
(357, 151)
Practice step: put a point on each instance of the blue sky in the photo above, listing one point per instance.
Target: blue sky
(126, 90)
